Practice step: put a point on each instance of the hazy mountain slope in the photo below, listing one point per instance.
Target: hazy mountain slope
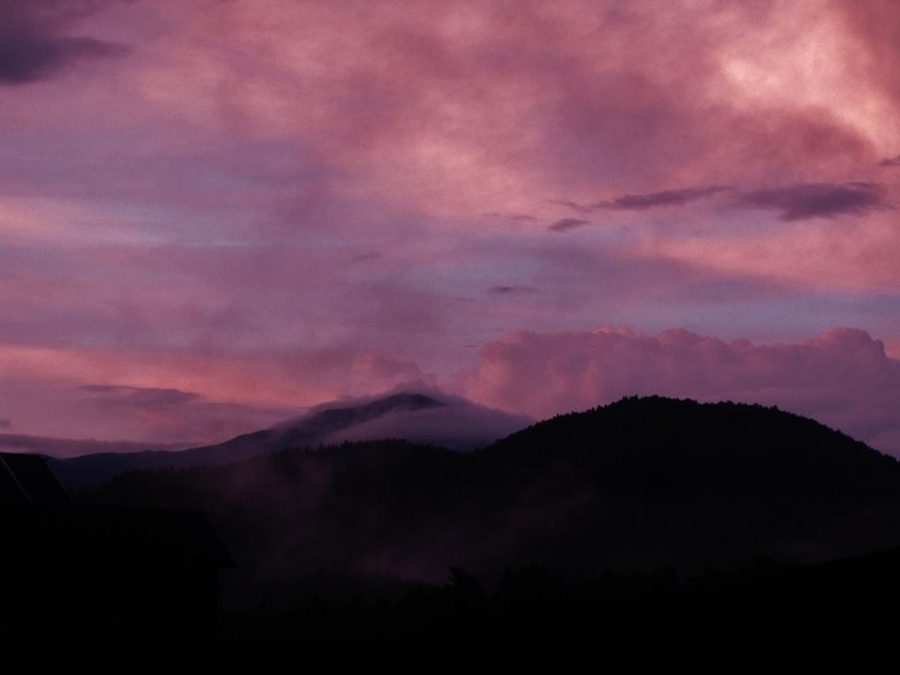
(74, 447)
(431, 417)
(639, 483)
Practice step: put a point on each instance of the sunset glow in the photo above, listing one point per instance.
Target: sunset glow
(215, 215)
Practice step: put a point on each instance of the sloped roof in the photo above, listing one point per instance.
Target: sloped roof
(27, 480)
(40, 525)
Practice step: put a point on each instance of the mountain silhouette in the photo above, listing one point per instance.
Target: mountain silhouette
(431, 417)
(638, 484)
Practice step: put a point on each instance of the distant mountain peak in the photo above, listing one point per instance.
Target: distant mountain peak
(426, 417)
(333, 417)
(639, 484)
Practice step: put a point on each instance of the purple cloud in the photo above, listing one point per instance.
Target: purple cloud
(139, 397)
(635, 202)
(237, 182)
(32, 45)
(817, 200)
(566, 224)
(171, 416)
(651, 200)
(520, 217)
(511, 290)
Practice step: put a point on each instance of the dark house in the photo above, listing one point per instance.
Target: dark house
(112, 576)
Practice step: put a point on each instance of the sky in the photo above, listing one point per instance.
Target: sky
(215, 214)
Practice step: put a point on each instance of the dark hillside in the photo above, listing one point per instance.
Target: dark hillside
(638, 484)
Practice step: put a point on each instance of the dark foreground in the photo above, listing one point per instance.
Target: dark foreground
(758, 617)
(650, 533)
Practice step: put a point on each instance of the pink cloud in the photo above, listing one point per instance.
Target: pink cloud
(179, 396)
(275, 202)
(471, 105)
(828, 255)
(842, 378)
(892, 347)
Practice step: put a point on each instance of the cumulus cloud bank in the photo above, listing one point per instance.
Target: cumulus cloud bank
(842, 378)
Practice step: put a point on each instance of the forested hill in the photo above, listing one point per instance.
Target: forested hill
(642, 483)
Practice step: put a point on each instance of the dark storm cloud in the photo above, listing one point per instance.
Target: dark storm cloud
(817, 200)
(32, 44)
(890, 161)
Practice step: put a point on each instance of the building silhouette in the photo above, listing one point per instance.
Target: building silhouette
(100, 577)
